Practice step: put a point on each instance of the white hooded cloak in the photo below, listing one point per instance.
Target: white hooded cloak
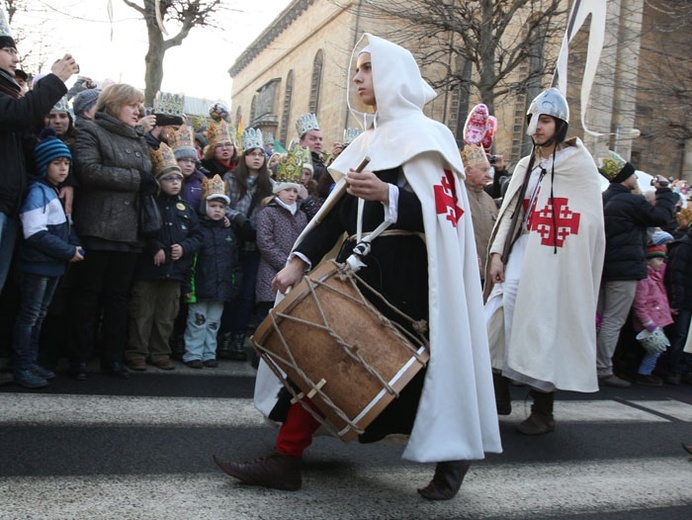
(456, 417)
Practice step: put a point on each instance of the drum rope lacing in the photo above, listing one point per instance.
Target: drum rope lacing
(344, 273)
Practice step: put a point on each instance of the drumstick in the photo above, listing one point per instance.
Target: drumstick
(340, 192)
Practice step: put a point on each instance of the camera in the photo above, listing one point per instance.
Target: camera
(492, 159)
(663, 182)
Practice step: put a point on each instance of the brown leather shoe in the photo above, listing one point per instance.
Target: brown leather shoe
(163, 364)
(276, 471)
(447, 480)
(139, 364)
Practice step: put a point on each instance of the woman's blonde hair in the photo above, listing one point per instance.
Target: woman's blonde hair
(116, 96)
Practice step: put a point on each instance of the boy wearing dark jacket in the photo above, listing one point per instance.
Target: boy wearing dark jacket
(216, 277)
(163, 270)
(46, 249)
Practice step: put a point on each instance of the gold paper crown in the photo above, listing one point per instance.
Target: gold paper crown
(252, 138)
(349, 135)
(611, 165)
(181, 137)
(214, 188)
(305, 123)
(302, 154)
(163, 160)
(218, 133)
(473, 155)
(290, 168)
(169, 104)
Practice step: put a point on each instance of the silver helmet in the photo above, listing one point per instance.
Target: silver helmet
(549, 102)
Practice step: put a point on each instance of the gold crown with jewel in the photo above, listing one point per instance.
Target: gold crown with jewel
(181, 137)
(252, 138)
(611, 165)
(473, 155)
(305, 123)
(289, 171)
(218, 133)
(169, 104)
(214, 188)
(303, 155)
(163, 161)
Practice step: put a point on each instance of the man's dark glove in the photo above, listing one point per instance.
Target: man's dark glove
(148, 184)
(239, 220)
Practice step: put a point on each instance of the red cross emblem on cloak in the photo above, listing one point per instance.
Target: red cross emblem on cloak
(554, 231)
(446, 199)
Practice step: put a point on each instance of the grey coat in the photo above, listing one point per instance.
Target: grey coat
(277, 231)
(109, 156)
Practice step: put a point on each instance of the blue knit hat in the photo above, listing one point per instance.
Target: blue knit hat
(49, 149)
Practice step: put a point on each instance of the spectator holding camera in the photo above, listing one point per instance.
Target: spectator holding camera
(20, 114)
(627, 215)
(114, 169)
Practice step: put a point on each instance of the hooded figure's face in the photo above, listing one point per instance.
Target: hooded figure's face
(390, 71)
(363, 80)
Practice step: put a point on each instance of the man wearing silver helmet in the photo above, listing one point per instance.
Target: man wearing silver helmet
(546, 253)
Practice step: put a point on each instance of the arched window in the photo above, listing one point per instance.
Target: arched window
(286, 115)
(316, 82)
(253, 109)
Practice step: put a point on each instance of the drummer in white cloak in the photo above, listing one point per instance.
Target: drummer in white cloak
(414, 181)
(545, 267)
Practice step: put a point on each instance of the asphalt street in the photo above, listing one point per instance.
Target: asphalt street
(142, 449)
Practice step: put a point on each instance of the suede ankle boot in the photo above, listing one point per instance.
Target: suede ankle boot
(446, 481)
(541, 419)
(276, 471)
(223, 347)
(503, 400)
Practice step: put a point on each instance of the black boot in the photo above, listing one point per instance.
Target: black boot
(503, 400)
(238, 346)
(115, 369)
(277, 471)
(541, 419)
(446, 481)
(223, 349)
(78, 370)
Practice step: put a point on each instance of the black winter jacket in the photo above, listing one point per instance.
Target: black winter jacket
(626, 218)
(17, 118)
(216, 274)
(678, 277)
(180, 226)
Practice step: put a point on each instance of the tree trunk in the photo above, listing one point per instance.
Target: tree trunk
(153, 75)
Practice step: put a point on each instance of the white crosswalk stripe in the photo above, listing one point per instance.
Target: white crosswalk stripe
(340, 481)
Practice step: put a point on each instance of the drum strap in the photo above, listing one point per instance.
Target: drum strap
(395, 233)
(362, 248)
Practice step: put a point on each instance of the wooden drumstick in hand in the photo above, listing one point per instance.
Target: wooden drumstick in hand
(329, 205)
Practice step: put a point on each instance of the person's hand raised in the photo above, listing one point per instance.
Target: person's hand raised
(64, 68)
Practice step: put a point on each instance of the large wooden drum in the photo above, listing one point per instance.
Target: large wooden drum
(339, 350)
